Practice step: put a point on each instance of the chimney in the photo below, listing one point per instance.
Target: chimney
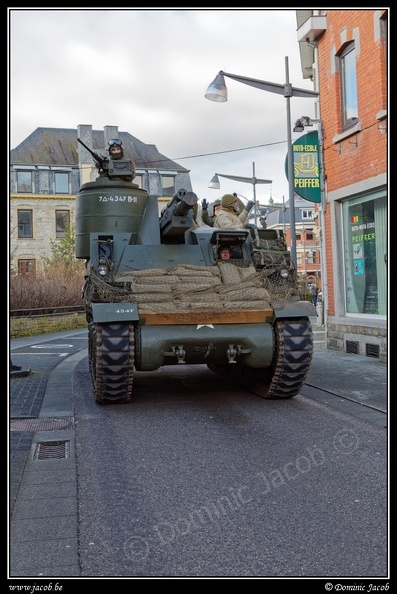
(84, 132)
(88, 170)
(110, 132)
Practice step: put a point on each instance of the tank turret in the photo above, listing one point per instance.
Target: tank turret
(111, 203)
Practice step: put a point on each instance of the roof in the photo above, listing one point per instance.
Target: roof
(59, 146)
(276, 215)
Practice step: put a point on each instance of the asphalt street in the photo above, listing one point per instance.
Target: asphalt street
(42, 465)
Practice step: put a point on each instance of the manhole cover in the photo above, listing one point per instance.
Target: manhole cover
(41, 424)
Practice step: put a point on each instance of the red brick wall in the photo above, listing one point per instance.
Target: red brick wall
(364, 154)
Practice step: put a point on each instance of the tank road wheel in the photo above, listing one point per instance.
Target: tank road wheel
(111, 361)
(291, 363)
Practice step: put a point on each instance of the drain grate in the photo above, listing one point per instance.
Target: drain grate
(41, 424)
(48, 450)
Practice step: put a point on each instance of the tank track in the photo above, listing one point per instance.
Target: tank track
(291, 363)
(111, 361)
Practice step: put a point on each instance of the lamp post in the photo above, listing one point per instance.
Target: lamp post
(217, 91)
(214, 183)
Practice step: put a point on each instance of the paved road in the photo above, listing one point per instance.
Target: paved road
(43, 502)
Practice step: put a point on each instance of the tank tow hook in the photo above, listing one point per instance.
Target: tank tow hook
(178, 352)
(233, 352)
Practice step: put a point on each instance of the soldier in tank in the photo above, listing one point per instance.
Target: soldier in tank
(229, 215)
(224, 252)
(116, 150)
(206, 217)
(116, 153)
(116, 165)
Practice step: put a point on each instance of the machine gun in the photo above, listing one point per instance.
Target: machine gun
(100, 162)
(123, 168)
(177, 216)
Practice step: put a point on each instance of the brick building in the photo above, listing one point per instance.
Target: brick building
(345, 53)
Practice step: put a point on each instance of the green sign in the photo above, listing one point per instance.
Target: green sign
(305, 158)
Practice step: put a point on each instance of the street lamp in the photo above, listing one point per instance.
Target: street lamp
(304, 121)
(214, 183)
(217, 91)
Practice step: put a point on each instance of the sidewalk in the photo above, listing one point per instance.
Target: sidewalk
(43, 485)
(41, 414)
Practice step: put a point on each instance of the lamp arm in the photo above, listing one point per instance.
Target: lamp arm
(281, 89)
(246, 179)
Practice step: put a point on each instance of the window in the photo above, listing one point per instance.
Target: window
(307, 215)
(24, 182)
(365, 247)
(62, 220)
(25, 223)
(61, 183)
(138, 179)
(312, 257)
(383, 26)
(348, 83)
(168, 185)
(26, 266)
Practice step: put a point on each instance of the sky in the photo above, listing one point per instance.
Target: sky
(147, 70)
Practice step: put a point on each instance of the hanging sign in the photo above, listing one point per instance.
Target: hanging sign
(305, 156)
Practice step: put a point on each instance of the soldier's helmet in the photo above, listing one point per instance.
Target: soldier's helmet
(116, 150)
(214, 205)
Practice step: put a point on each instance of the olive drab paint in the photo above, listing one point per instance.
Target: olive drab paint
(106, 206)
(156, 294)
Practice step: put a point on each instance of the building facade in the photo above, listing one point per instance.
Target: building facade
(46, 172)
(345, 53)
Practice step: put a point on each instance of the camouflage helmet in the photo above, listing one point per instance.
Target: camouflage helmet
(228, 199)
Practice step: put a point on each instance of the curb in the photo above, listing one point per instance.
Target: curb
(21, 372)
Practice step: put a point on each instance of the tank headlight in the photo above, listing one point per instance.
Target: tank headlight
(103, 267)
(284, 273)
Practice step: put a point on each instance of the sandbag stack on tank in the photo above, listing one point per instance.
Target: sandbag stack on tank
(220, 288)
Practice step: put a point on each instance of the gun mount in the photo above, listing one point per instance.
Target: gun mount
(177, 216)
(122, 168)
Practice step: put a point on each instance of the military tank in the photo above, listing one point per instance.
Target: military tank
(156, 293)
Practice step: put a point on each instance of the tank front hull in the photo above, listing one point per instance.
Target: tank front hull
(251, 345)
